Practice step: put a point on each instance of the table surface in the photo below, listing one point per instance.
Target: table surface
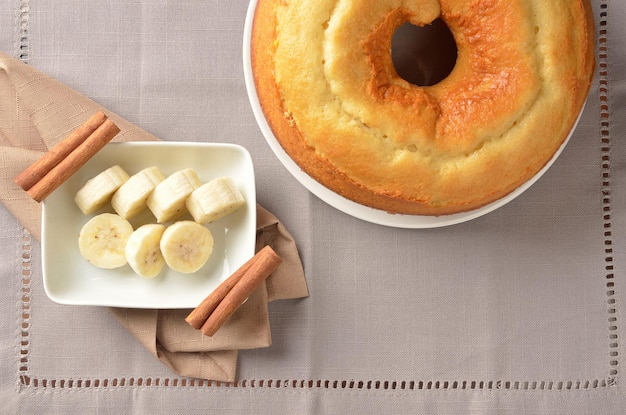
(518, 311)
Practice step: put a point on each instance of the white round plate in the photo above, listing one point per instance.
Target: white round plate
(345, 205)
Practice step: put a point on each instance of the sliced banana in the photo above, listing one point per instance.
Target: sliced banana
(130, 199)
(143, 251)
(167, 201)
(99, 189)
(214, 200)
(102, 240)
(186, 246)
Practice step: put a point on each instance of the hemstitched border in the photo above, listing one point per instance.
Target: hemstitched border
(605, 143)
(21, 52)
(412, 385)
(24, 309)
(22, 26)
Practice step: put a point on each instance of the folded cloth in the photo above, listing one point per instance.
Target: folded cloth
(36, 112)
(190, 353)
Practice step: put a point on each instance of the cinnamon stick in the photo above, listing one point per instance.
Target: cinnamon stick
(41, 167)
(74, 160)
(201, 313)
(213, 312)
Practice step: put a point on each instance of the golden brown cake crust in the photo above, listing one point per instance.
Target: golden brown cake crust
(328, 88)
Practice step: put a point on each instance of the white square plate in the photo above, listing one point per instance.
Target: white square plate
(70, 279)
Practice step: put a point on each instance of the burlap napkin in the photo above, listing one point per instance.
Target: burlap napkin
(36, 112)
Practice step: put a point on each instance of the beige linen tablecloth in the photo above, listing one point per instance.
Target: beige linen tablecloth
(517, 312)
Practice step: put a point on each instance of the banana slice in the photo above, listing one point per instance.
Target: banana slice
(143, 251)
(99, 189)
(186, 246)
(167, 201)
(214, 200)
(102, 240)
(130, 199)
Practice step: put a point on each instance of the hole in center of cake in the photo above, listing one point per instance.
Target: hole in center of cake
(423, 55)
